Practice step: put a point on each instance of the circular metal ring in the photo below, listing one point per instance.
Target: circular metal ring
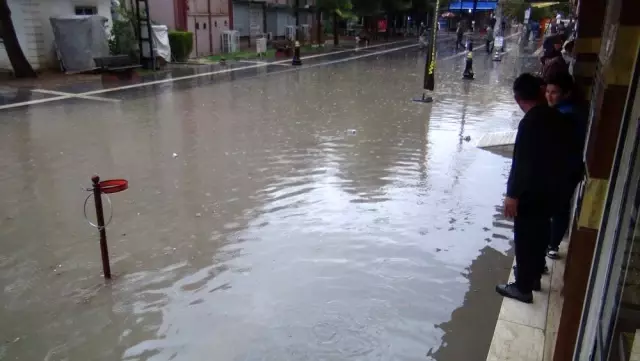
(110, 213)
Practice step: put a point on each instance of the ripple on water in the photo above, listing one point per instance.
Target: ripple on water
(277, 233)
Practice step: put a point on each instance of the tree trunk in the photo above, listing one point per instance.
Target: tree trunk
(319, 26)
(20, 64)
(386, 33)
(336, 37)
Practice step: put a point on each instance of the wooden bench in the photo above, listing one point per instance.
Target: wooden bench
(120, 64)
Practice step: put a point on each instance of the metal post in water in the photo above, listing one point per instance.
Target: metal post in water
(297, 61)
(104, 250)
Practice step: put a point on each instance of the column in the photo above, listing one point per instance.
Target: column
(606, 52)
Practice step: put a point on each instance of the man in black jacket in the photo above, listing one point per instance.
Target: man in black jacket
(539, 178)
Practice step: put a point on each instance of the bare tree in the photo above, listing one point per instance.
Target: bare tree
(19, 62)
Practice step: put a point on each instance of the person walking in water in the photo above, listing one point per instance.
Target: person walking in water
(539, 176)
(488, 38)
(459, 35)
(560, 95)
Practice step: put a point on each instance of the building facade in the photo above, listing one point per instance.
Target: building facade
(600, 317)
(208, 19)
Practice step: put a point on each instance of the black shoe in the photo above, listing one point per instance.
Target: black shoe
(544, 272)
(537, 284)
(553, 252)
(510, 290)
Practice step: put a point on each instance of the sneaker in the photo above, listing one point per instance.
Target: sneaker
(537, 284)
(544, 272)
(511, 291)
(552, 252)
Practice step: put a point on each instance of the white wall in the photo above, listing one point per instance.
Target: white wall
(66, 8)
(26, 20)
(31, 20)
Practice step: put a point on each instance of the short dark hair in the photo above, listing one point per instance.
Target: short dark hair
(527, 87)
(562, 80)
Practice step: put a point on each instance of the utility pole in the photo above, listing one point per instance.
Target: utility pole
(473, 14)
(296, 12)
(497, 28)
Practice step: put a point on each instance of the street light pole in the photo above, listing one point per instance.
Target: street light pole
(497, 28)
(473, 14)
(296, 48)
(296, 12)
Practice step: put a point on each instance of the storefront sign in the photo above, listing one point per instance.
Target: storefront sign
(382, 26)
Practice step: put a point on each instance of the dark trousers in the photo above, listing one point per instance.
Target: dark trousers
(531, 237)
(459, 41)
(560, 224)
(489, 45)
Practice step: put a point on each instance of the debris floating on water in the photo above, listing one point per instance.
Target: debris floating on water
(175, 155)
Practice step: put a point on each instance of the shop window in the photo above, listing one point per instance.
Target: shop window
(86, 10)
(618, 331)
(624, 343)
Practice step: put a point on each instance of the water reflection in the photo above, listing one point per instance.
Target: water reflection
(257, 225)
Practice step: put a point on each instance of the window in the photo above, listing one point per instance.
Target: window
(86, 10)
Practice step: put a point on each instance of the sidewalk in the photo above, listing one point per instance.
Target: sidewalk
(527, 332)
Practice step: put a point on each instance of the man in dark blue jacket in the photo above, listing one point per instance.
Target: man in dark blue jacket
(540, 175)
(560, 95)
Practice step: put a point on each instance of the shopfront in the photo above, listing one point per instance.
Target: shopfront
(610, 326)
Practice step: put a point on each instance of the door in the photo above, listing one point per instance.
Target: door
(220, 24)
(191, 27)
(203, 35)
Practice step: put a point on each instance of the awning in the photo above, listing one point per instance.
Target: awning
(468, 5)
(544, 5)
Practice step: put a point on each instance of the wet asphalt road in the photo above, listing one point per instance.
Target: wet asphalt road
(273, 214)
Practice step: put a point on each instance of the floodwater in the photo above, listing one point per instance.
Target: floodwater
(304, 215)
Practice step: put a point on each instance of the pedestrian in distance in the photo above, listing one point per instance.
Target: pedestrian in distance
(553, 62)
(459, 35)
(488, 39)
(540, 174)
(560, 94)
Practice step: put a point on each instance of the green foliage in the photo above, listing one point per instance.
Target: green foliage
(343, 8)
(516, 9)
(181, 43)
(366, 7)
(396, 5)
(123, 38)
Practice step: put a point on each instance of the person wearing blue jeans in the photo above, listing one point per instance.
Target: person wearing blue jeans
(560, 95)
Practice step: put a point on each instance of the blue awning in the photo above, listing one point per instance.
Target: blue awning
(468, 5)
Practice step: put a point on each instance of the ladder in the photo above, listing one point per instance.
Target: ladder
(145, 41)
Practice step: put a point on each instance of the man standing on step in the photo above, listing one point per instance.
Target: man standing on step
(540, 173)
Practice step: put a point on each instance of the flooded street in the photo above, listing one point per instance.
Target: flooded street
(313, 214)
